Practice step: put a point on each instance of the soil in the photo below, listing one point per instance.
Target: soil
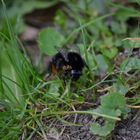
(72, 132)
(128, 129)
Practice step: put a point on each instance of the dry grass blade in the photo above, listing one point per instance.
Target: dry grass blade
(134, 106)
(136, 39)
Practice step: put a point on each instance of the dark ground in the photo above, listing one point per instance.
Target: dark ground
(128, 129)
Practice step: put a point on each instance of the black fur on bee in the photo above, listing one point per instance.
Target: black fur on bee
(67, 65)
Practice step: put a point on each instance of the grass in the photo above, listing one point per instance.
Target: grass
(26, 98)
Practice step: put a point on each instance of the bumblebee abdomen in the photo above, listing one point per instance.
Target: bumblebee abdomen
(75, 61)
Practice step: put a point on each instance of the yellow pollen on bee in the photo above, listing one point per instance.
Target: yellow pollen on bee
(68, 67)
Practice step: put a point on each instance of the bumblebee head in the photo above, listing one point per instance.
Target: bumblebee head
(59, 61)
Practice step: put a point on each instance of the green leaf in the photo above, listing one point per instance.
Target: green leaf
(131, 63)
(119, 87)
(112, 104)
(101, 62)
(24, 7)
(118, 28)
(102, 130)
(108, 111)
(108, 48)
(124, 12)
(49, 40)
(61, 18)
(12, 92)
(109, 52)
(132, 44)
(92, 63)
(113, 101)
(54, 89)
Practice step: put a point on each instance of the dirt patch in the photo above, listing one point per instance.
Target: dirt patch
(128, 129)
(73, 132)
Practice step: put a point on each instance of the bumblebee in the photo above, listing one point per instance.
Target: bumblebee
(67, 65)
